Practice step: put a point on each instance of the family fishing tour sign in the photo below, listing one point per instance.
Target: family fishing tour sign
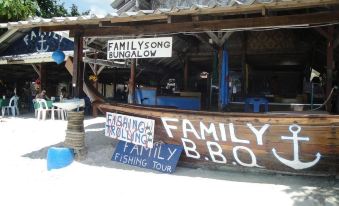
(139, 131)
(162, 157)
(139, 48)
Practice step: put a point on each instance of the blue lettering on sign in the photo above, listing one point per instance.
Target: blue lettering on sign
(162, 157)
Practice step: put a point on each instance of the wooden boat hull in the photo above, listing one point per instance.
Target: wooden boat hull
(286, 143)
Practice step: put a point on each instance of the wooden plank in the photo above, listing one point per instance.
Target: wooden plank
(149, 17)
(214, 25)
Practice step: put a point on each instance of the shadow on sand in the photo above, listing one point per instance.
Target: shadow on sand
(301, 188)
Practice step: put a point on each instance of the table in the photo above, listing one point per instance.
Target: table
(70, 104)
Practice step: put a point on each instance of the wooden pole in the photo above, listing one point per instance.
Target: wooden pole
(244, 65)
(329, 69)
(77, 77)
(43, 76)
(131, 83)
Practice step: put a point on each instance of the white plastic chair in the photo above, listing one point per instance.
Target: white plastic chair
(35, 106)
(13, 106)
(43, 109)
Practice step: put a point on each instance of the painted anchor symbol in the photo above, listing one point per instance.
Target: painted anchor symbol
(42, 45)
(296, 163)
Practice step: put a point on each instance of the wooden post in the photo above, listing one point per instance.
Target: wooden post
(329, 69)
(244, 65)
(43, 76)
(131, 83)
(186, 74)
(114, 84)
(77, 78)
(96, 70)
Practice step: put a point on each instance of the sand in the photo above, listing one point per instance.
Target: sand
(25, 180)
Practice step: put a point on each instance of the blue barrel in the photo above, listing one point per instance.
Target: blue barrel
(59, 157)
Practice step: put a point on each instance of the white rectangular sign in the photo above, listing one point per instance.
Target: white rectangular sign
(136, 130)
(139, 48)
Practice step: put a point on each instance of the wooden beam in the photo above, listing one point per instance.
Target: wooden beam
(102, 67)
(202, 39)
(43, 76)
(330, 66)
(37, 70)
(321, 31)
(264, 11)
(131, 83)
(77, 77)
(92, 67)
(217, 25)
(219, 41)
(336, 41)
(90, 40)
(103, 62)
(139, 18)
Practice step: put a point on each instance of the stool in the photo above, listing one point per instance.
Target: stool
(256, 104)
(59, 157)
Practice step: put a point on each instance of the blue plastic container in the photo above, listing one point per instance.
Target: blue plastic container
(59, 157)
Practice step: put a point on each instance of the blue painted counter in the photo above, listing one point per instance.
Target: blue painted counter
(148, 96)
(190, 103)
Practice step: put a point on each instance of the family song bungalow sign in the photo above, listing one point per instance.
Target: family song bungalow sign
(139, 48)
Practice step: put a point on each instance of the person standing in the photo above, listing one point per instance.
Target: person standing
(42, 95)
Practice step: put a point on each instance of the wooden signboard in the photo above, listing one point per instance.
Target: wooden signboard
(136, 130)
(139, 48)
(162, 157)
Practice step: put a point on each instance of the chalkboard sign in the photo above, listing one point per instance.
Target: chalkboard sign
(162, 157)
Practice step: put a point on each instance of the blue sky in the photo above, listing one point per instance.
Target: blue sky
(96, 6)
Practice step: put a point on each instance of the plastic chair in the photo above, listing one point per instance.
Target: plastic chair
(13, 106)
(256, 102)
(36, 107)
(43, 109)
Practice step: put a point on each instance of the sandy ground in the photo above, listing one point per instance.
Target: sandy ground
(25, 180)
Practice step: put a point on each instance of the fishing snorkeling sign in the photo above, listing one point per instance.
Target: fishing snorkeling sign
(139, 48)
(136, 130)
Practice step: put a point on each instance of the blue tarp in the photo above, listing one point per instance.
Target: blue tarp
(223, 87)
